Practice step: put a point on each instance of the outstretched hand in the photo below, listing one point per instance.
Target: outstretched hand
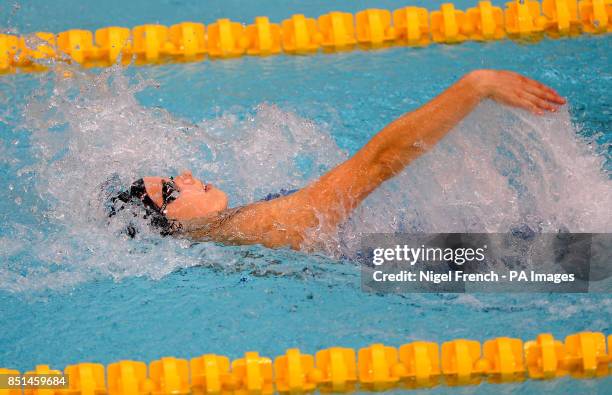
(516, 90)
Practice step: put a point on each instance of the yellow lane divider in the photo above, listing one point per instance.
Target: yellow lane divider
(377, 367)
(372, 28)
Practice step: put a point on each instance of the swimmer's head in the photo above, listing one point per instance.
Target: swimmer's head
(167, 201)
(184, 197)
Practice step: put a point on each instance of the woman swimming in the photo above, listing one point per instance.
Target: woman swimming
(187, 207)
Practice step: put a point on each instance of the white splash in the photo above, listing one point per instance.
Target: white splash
(497, 169)
(91, 133)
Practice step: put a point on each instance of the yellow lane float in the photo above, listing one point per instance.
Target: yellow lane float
(225, 39)
(420, 363)
(128, 377)
(544, 357)
(504, 359)
(295, 372)
(78, 44)
(374, 27)
(188, 40)
(449, 25)
(10, 391)
(596, 16)
(412, 26)
(210, 373)
(113, 42)
(585, 354)
(300, 35)
(487, 22)
(562, 16)
(149, 43)
(86, 378)
(169, 376)
(526, 20)
(378, 367)
(337, 30)
(339, 368)
(263, 37)
(461, 362)
(417, 364)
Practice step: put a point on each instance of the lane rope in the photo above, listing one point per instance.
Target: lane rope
(525, 20)
(419, 364)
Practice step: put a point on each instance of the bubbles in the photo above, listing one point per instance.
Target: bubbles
(497, 170)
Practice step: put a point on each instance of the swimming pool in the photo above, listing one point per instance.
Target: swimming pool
(72, 289)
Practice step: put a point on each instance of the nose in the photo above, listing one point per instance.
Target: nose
(187, 177)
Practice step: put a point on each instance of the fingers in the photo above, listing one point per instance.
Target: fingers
(551, 97)
(517, 90)
(535, 103)
(544, 92)
(540, 103)
(539, 89)
(538, 97)
(525, 103)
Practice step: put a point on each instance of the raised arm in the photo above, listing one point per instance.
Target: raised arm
(312, 212)
(343, 188)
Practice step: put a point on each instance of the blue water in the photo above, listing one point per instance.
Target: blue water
(70, 291)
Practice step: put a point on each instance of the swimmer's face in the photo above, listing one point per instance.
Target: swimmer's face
(195, 198)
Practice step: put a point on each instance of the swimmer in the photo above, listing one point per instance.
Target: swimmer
(185, 206)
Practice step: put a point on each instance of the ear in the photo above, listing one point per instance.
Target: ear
(153, 186)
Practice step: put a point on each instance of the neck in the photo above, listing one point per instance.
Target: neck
(204, 227)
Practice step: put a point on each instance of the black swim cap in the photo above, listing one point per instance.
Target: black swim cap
(136, 196)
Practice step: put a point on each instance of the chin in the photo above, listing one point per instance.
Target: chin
(220, 200)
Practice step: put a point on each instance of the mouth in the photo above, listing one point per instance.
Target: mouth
(207, 187)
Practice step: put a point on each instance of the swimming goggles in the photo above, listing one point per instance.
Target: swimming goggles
(169, 193)
(138, 191)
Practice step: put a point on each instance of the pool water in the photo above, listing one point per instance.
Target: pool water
(73, 288)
